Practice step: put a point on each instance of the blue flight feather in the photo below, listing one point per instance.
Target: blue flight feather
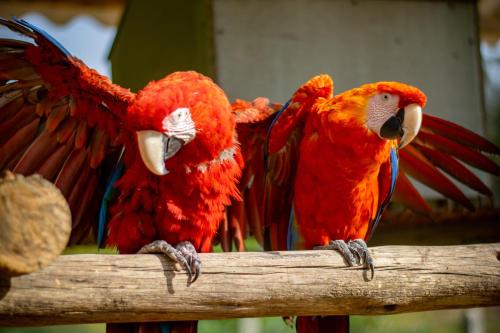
(275, 119)
(394, 177)
(394, 169)
(108, 195)
(44, 34)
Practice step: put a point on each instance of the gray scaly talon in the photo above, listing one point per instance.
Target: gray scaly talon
(360, 246)
(355, 252)
(189, 252)
(341, 247)
(184, 254)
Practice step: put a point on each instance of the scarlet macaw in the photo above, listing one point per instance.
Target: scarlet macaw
(170, 150)
(332, 167)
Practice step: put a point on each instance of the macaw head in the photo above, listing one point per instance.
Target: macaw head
(392, 110)
(182, 120)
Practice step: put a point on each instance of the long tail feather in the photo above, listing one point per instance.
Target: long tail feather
(407, 195)
(466, 154)
(458, 133)
(426, 173)
(452, 167)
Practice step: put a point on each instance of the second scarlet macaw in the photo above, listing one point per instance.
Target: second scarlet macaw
(333, 162)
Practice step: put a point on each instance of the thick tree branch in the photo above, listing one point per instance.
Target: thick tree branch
(121, 288)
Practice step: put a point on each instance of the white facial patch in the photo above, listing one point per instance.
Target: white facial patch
(180, 125)
(380, 108)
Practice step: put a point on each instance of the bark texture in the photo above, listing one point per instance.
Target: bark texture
(124, 288)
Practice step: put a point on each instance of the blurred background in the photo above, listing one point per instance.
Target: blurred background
(450, 49)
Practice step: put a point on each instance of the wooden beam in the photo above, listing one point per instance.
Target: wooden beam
(124, 288)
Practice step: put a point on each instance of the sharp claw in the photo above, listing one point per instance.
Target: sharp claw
(189, 252)
(197, 271)
(187, 268)
(355, 253)
(360, 246)
(180, 257)
(372, 271)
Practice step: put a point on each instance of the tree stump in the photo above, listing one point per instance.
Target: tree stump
(35, 223)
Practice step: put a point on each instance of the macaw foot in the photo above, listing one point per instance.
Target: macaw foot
(184, 254)
(355, 252)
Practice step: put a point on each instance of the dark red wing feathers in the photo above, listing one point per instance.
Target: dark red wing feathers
(407, 195)
(459, 134)
(58, 118)
(438, 144)
(422, 170)
(253, 120)
(454, 168)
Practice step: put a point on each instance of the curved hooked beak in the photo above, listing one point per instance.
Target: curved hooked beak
(155, 148)
(411, 124)
(404, 125)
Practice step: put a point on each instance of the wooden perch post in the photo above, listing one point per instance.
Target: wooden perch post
(124, 288)
(35, 223)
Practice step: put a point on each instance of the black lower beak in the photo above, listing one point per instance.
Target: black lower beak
(393, 127)
(171, 146)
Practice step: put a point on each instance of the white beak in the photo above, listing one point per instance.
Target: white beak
(411, 124)
(155, 148)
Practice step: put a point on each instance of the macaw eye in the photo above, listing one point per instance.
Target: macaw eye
(180, 125)
(177, 118)
(385, 97)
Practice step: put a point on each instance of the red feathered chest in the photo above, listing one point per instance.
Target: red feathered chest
(336, 191)
(185, 205)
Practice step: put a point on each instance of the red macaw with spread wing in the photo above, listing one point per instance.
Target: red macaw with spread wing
(159, 166)
(331, 167)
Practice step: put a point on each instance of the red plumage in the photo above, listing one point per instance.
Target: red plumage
(81, 125)
(329, 170)
(188, 203)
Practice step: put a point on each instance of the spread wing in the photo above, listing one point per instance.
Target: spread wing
(245, 217)
(439, 147)
(60, 119)
(284, 136)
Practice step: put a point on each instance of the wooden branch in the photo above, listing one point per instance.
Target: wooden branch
(124, 288)
(35, 223)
